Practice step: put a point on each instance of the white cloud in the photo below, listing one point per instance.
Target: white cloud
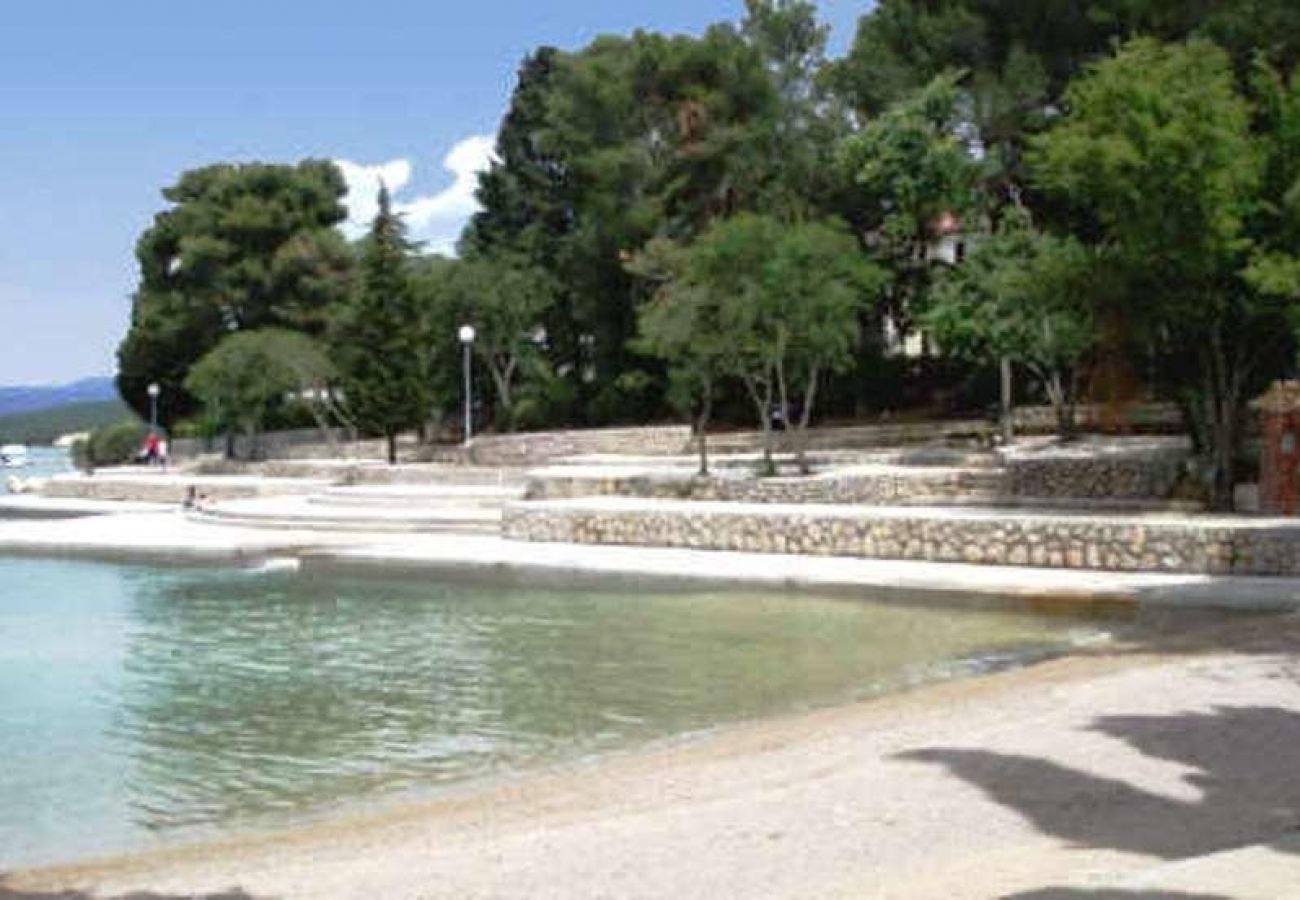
(436, 219)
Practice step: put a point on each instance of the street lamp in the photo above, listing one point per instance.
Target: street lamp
(467, 341)
(153, 390)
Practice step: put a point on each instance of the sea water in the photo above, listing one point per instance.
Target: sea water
(140, 704)
(42, 462)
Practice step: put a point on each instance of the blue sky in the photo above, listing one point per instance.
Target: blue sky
(104, 103)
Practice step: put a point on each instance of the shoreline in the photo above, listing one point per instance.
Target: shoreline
(170, 537)
(704, 796)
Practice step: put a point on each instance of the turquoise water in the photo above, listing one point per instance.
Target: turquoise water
(41, 463)
(143, 703)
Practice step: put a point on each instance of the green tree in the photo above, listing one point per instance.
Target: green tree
(681, 325)
(252, 374)
(915, 171)
(601, 150)
(1026, 296)
(1156, 146)
(1274, 223)
(380, 341)
(506, 299)
(787, 301)
(240, 247)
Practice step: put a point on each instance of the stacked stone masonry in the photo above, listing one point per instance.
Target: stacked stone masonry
(1201, 545)
(1147, 471)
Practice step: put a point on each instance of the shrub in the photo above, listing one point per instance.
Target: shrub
(115, 444)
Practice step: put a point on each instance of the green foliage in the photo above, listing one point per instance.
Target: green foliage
(380, 344)
(251, 374)
(1274, 225)
(915, 172)
(507, 300)
(1157, 149)
(1024, 295)
(773, 305)
(241, 247)
(47, 425)
(1156, 145)
(112, 445)
(661, 223)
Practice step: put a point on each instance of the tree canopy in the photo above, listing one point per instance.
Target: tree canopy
(732, 222)
(241, 247)
(250, 374)
(380, 345)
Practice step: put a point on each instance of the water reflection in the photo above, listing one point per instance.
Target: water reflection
(212, 698)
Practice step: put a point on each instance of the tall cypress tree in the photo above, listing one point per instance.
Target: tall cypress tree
(380, 346)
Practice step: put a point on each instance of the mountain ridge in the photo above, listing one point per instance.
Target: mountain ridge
(25, 398)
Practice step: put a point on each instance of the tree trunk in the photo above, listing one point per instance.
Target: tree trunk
(763, 403)
(702, 426)
(391, 437)
(783, 403)
(1008, 403)
(1062, 408)
(322, 425)
(1222, 402)
(502, 375)
(805, 416)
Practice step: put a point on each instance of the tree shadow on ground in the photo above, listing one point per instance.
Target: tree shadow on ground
(1106, 894)
(8, 893)
(1244, 765)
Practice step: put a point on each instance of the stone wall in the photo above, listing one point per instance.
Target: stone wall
(534, 448)
(1112, 469)
(305, 443)
(879, 485)
(1201, 545)
(1116, 469)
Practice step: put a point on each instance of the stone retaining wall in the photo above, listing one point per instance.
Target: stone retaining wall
(1201, 545)
(306, 443)
(537, 447)
(1149, 471)
(171, 488)
(1115, 469)
(878, 485)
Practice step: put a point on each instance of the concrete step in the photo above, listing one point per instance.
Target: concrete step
(301, 514)
(409, 496)
(435, 474)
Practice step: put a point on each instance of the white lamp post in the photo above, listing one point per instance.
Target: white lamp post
(153, 390)
(467, 341)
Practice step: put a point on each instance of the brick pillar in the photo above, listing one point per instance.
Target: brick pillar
(1279, 463)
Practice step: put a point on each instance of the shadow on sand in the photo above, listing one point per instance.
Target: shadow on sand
(1243, 762)
(1071, 894)
(8, 893)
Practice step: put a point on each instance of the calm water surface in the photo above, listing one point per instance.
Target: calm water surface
(42, 462)
(142, 703)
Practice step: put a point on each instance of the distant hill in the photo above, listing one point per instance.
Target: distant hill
(44, 426)
(36, 397)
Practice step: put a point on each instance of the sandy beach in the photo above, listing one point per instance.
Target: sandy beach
(1167, 771)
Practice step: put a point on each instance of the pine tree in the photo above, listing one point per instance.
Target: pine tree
(380, 346)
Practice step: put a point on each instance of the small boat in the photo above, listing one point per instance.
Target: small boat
(13, 456)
